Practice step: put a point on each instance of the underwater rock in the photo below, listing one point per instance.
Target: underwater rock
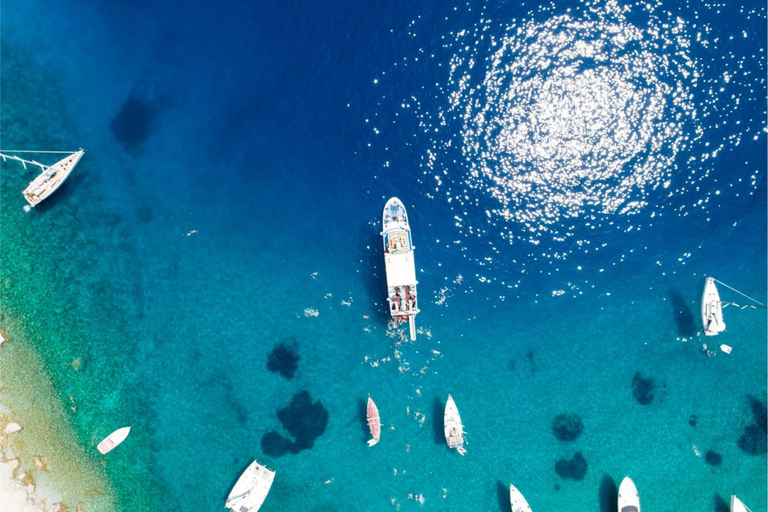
(132, 125)
(40, 463)
(642, 389)
(713, 458)
(575, 468)
(531, 360)
(304, 419)
(12, 427)
(759, 412)
(753, 441)
(284, 359)
(693, 420)
(274, 445)
(567, 427)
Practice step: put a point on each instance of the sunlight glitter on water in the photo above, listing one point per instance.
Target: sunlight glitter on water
(573, 116)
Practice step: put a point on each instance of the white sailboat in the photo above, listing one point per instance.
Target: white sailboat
(454, 430)
(251, 489)
(519, 504)
(374, 421)
(110, 442)
(629, 499)
(400, 266)
(711, 309)
(737, 505)
(51, 177)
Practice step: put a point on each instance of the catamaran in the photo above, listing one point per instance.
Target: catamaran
(629, 499)
(454, 430)
(251, 489)
(737, 505)
(52, 176)
(712, 308)
(110, 442)
(519, 504)
(400, 266)
(374, 421)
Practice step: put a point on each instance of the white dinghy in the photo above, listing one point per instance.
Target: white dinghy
(629, 499)
(519, 504)
(251, 489)
(112, 440)
(454, 430)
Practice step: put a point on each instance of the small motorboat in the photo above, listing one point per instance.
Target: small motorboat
(112, 440)
(629, 499)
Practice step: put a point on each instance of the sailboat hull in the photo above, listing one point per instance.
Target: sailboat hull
(711, 309)
(51, 179)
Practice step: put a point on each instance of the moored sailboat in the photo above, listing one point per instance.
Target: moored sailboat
(51, 178)
(629, 499)
(711, 309)
(110, 442)
(400, 266)
(737, 505)
(374, 421)
(251, 489)
(454, 430)
(519, 503)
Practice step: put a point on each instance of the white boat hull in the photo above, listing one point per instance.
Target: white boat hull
(51, 179)
(251, 489)
(629, 499)
(519, 504)
(400, 265)
(737, 505)
(711, 309)
(110, 442)
(454, 430)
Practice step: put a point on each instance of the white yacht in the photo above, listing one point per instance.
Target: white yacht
(400, 266)
(251, 489)
(519, 504)
(711, 309)
(629, 499)
(454, 430)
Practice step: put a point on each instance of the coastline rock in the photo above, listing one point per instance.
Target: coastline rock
(40, 463)
(567, 427)
(12, 427)
(58, 507)
(3, 338)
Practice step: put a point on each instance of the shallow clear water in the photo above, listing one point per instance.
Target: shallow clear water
(572, 172)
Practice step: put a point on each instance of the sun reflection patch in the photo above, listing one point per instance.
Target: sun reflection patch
(574, 115)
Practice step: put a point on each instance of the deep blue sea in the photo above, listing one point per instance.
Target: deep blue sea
(572, 171)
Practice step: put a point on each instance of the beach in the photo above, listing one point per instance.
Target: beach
(42, 466)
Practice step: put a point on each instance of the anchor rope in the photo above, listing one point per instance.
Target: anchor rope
(740, 293)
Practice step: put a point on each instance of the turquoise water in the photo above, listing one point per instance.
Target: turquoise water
(571, 173)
